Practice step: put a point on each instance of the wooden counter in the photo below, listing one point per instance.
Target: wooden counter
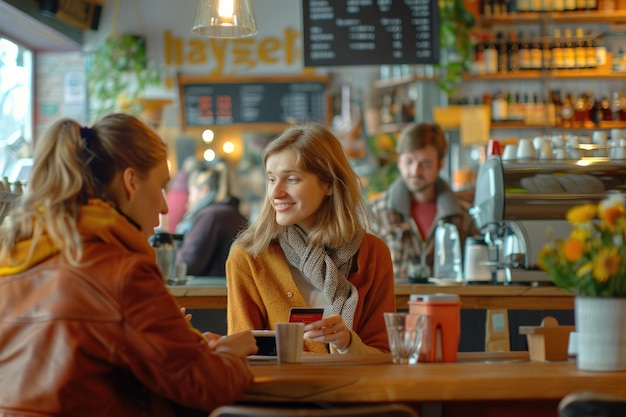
(210, 293)
(480, 384)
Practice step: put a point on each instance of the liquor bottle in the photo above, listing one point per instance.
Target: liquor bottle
(616, 104)
(555, 98)
(569, 54)
(479, 56)
(581, 5)
(487, 8)
(557, 51)
(558, 5)
(524, 5)
(536, 55)
(567, 111)
(570, 5)
(580, 50)
(590, 52)
(546, 58)
(516, 109)
(503, 53)
(524, 53)
(581, 110)
(596, 113)
(499, 108)
(605, 104)
(491, 57)
(386, 111)
(513, 52)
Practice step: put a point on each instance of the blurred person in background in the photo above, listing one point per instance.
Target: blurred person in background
(211, 223)
(87, 324)
(177, 193)
(406, 215)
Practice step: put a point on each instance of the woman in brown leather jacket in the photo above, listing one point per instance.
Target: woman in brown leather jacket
(87, 326)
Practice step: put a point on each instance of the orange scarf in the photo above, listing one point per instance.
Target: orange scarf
(98, 221)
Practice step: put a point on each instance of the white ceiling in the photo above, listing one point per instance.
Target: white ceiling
(23, 28)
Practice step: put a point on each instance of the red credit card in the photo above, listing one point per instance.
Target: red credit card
(305, 315)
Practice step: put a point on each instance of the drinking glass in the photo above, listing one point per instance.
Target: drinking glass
(406, 336)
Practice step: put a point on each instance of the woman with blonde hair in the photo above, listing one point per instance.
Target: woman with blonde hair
(87, 324)
(308, 248)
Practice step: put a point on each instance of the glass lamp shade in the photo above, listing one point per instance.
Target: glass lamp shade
(224, 19)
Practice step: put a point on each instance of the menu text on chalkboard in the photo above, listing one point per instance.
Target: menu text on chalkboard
(370, 32)
(225, 103)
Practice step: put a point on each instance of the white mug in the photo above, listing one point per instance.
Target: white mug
(526, 150)
(289, 342)
(546, 152)
(600, 137)
(510, 152)
(560, 154)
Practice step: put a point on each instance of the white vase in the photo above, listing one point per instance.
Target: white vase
(601, 330)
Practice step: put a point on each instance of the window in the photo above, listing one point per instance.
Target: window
(16, 104)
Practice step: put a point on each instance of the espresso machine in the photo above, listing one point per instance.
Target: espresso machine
(520, 205)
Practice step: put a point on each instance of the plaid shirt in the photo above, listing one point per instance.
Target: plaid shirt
(393, 222)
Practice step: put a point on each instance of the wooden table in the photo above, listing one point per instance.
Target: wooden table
(210, 293)
(479, 384)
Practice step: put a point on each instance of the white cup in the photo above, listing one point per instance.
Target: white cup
(600, 137)
(617, 134)
(526, 150)
(546, 152)
(510, 152)
(560, 154)
(558, 141)
(289, 342)
(618, 152)
(573, 141)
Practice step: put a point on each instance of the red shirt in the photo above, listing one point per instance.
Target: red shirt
(424, 215)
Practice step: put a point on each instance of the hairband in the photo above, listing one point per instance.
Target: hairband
(89, 136)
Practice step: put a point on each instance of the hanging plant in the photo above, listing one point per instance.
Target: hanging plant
(455, 25)
(118, 73)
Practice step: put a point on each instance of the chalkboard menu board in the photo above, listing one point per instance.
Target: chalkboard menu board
(219, 102)
(370, 32)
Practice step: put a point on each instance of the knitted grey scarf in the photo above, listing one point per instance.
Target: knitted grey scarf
(326, 269)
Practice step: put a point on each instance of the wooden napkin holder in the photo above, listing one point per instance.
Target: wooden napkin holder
(547, 342)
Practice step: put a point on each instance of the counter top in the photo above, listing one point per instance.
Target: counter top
(211, 292)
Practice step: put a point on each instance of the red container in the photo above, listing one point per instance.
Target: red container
(443, 327)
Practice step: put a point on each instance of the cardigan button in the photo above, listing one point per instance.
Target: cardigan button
(289, 294)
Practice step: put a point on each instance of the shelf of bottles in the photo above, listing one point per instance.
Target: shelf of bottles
(616, 16)
(556, 11)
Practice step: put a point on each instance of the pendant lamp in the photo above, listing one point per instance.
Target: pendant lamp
(224, 19)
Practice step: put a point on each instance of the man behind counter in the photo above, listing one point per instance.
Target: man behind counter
(406, 215)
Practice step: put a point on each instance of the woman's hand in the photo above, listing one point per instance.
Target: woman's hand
(240, 343)
(183, 310)
(331, 330)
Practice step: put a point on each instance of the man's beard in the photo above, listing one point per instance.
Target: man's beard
(419, 186)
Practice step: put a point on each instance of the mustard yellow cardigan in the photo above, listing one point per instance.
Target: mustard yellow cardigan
(261, 291)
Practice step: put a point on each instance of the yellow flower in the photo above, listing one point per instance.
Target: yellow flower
(573, 249)
(584, 269)
(611, 216)
(607, 263)
(589, 262)
(582, 214)
(546, 254)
